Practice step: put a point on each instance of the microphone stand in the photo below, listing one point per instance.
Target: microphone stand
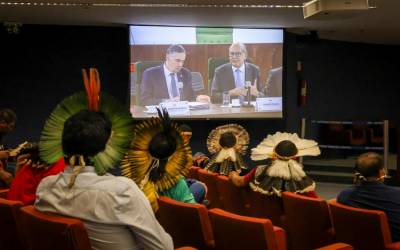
(248, 104)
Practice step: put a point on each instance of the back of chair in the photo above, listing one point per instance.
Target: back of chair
(197, 83)
(265, 206)
(9, 233)
(307, 221)
(213, 63)
(44, 231)
(361, 228)
(141, 66)
(210, 180)
(188, 224)
(236, 232)
(231, 196)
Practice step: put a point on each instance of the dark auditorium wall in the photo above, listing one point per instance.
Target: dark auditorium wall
(42, 64)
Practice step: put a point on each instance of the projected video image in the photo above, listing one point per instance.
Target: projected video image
(206, 72)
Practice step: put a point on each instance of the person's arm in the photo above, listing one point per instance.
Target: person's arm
(136, 212)
(147, 89)
(188, 93)
(241, 181)
(4, 154)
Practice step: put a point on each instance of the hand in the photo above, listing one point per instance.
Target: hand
(14, 152)
(22, 160)
(253, 90)
(203, 98)
(238, 91)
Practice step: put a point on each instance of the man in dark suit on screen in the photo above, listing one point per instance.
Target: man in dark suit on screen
(231, 77)
(169, 81)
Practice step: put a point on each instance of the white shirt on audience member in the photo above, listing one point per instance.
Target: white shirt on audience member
(116, 213)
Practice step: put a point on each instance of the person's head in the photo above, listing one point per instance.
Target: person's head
(369, 166)
(85, 133)
(227, 140)
(175, 58)
(237, 54)
(186, 132)
(285, 149)
(8, 118)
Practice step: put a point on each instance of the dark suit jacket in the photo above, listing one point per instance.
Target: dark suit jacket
(273, 87)
(225, 81)
(153, 87)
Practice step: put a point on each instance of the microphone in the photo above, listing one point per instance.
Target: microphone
(247, 85)
(180, 88)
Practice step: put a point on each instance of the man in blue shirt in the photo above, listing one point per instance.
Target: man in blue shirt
(369, 192)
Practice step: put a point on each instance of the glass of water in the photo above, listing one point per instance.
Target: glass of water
(226, 99)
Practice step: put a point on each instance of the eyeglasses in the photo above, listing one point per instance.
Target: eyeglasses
(235, 54)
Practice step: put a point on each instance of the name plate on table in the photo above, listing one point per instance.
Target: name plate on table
(176, 108)
(269, 104)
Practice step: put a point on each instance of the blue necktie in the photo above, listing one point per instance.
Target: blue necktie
(238, 82)
(173, 85)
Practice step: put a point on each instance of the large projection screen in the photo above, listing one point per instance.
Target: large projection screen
(220, 73)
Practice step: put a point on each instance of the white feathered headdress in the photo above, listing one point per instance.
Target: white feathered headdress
(266, 149)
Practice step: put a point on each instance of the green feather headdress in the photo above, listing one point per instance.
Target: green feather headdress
(121, 135)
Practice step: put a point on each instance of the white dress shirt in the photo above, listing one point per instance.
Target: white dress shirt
(116, 213)
(167, 74)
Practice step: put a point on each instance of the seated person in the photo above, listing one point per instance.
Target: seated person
(227, 144)
(369, 192)
(232, 76)
(115, 212)
(162, 82)
(284, 173)
(198, 188)
(158, 159)
(30, 171)
(7, 123)
(273, 87)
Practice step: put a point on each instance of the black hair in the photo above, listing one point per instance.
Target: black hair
(162, 146)
(227, 140)
(185, 128)
(286, 148)
(175, 48)
(8, 116)
(369, 164)
(86, 133)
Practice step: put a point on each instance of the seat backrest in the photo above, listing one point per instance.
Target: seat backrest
(198, 83)
(49, 231)
(231, 196)
(9, 229)
(233, 231)
(188, 224)
(307, 220)
(213, 63)
(361, 228)
(265, 206)
(141, 66)
(210, 180)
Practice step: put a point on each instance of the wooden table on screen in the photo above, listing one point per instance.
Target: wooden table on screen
(215, 112)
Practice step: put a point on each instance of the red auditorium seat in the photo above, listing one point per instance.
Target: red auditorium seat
(44, 231)
(265, 206)
(236, 232)
(193, 174)
(210, 180)
(188, 224)
(361, 228)
(9, 233)
(231, 196)
(307, 221)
